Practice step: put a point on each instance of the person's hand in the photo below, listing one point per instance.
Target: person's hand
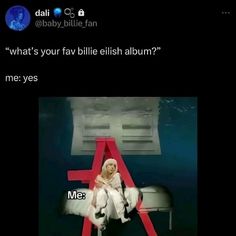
(99, 185)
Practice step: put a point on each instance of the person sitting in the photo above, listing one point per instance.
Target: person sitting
(106, 200)
(108, 184)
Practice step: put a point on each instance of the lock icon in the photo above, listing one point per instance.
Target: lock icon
(81, 12)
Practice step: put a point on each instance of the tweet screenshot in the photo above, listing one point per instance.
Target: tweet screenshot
(101, 110)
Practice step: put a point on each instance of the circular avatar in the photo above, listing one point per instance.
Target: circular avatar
(17, 18)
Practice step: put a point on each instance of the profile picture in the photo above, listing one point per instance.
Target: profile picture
(17, 18)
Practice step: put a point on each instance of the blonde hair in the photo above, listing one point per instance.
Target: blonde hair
(104, 167)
